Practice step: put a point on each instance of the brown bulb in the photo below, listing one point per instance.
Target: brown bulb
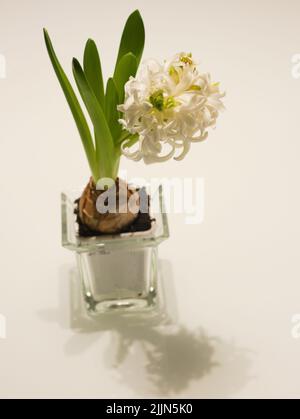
(118, 217)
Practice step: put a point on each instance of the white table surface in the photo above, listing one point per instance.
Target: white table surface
(232, 281)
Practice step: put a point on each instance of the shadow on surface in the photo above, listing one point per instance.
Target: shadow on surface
(153, 354)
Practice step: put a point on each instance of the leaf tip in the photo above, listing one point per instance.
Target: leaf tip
(89, 42)
(136, 12)
(138, 15)
(75, 63)
(45, 32)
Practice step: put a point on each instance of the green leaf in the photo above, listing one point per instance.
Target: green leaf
(105, 150)
(124, 135)
(126, 67)
(74, 106)
(133, 37)
(93, 71)
(111, 111)
(131, 139)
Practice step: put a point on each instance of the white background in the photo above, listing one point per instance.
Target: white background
(236, 275)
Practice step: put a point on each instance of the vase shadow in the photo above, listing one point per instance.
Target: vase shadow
(152, 353)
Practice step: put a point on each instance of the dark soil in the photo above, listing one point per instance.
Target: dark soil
(143, 222)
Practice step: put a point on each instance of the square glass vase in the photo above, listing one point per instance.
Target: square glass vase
(118, 273)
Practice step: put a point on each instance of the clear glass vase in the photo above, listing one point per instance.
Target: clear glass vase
(118, 273)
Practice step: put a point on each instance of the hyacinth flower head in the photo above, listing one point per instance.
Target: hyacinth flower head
(168, 107)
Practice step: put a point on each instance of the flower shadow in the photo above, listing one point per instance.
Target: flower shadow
(168, 360)
(179, 362)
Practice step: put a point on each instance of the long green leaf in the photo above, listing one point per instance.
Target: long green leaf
(93, 71)
(74, 106)
(126, 67)
(105, 151)
(133, 37)
(111, 112)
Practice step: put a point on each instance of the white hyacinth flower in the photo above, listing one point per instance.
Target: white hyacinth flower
(169, 107)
